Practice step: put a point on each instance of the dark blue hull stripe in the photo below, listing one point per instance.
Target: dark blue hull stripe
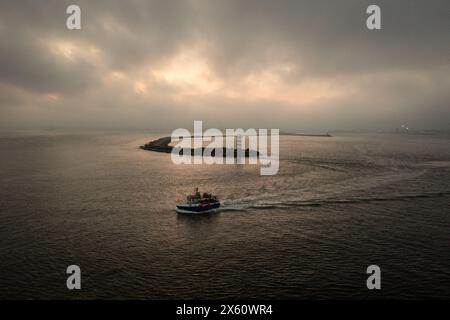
(199, 209)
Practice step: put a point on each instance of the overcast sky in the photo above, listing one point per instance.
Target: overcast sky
(159, 65)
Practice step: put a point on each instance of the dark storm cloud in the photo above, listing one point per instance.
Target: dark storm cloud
(327, 37)
(140, 31)
(27, 63)
(290, 64)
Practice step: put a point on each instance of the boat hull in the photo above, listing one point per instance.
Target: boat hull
(194, 209)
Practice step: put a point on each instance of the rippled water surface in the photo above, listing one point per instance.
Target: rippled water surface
(336, 206)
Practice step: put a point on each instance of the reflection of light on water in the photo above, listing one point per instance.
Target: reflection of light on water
(436, 164)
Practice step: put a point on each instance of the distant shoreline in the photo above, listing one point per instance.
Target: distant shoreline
(305, 134)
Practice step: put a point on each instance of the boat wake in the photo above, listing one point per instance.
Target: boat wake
(239, 205)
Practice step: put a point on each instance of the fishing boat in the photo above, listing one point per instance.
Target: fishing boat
(198, 203)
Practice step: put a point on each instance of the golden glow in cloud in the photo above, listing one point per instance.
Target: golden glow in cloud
(189, 73)
(72, 51)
